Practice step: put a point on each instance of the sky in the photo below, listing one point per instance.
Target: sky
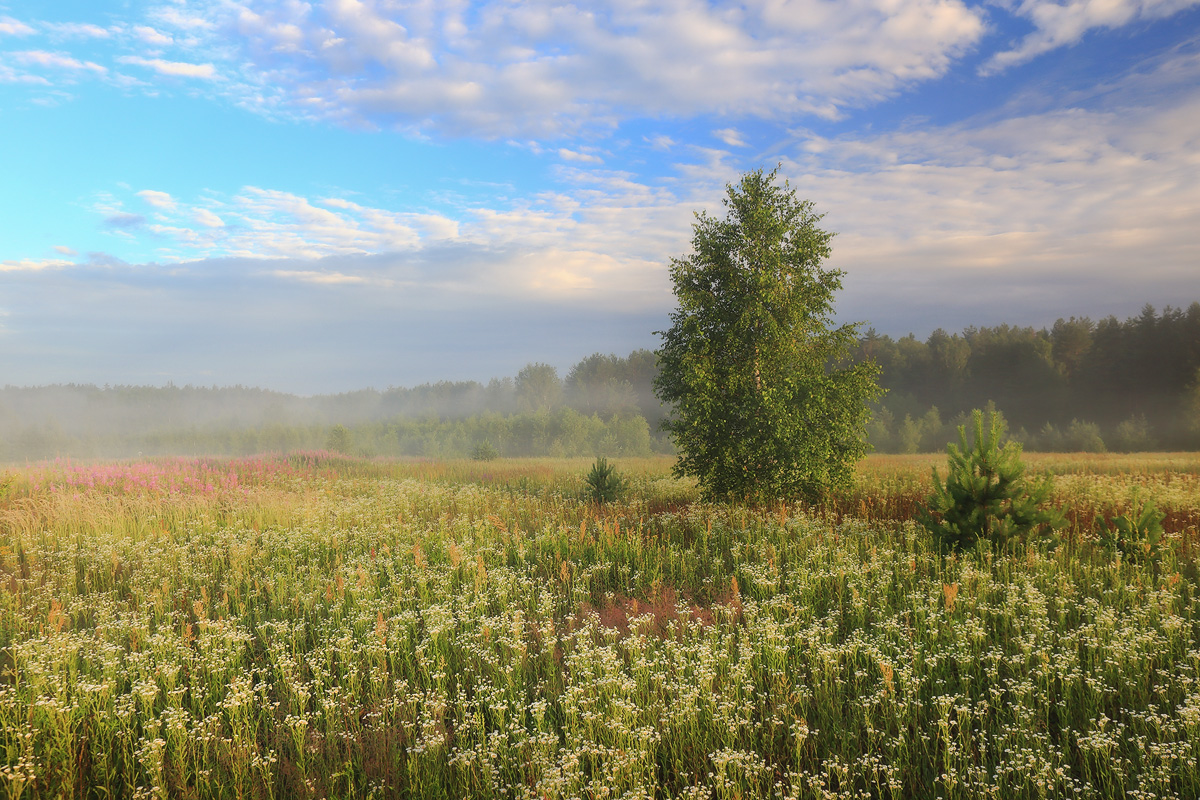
(320, 197)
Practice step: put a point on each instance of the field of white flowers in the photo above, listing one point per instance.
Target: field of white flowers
(322, 627)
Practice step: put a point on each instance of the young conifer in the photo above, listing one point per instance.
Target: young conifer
(986, 496)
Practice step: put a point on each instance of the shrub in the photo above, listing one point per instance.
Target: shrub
(986, 497)
(485, 452)
(603, 484)
(1138, 535)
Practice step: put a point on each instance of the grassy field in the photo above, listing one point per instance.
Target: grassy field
(316, 626)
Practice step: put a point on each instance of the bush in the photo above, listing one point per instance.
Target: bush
(485, 452)
(603, 484)
(986, 497)
(1138, 535)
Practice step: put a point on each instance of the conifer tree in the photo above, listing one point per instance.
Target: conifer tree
(986, 496)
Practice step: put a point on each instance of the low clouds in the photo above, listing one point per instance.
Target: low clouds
(1048, 201)
(267, 223)
(321, 278)
(1022, 219)
(33, 264)
(560, 248)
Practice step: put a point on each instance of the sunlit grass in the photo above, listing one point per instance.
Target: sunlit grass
(317, 626)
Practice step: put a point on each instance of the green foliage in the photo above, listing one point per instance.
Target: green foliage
(339, 439)
(986, 497)
(1096, 372)
(1079, 437)
(764, 403)
(603, 483)
(1139, 535)
(767, 654)
(484, 451)
(1134, 435)
(538, 387)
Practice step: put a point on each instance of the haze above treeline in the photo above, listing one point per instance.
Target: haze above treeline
(1077, 385)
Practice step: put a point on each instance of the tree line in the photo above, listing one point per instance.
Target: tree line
(604, 405)
(1076, 385)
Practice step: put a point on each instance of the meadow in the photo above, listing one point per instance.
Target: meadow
(319, 626)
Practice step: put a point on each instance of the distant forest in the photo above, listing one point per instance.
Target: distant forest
(1079, 385)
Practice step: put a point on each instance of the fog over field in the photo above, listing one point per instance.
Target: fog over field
(1079, 385)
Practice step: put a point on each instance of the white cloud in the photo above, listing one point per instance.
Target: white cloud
(78, 30)
(181, 19)
(576, 155)
(174, 68)
(33, 264)
(64, 250)
(1064, 206)
(157, 199)
(731, 137)
(14, 27)
(10, 75)
(606, 241)
(43, 58)
(312, 276)
(207, 218)
(266, 223)
(542, 68)
(1059, 24)
(152, 36)
(1056, 198)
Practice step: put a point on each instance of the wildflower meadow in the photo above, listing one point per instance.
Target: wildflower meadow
(318, 626)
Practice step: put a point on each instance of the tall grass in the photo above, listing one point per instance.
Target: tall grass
(316, 626)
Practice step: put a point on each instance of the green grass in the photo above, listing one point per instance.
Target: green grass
(326, 627)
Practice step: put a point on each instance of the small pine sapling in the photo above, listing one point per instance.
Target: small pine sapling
(603, 483)
(986, 496)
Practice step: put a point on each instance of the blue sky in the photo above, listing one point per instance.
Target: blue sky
(324, 196)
